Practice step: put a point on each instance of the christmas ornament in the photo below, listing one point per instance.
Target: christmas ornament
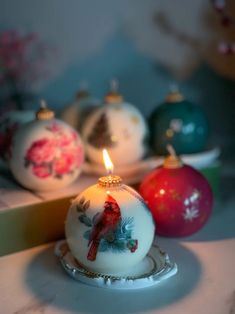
(118, 126)
(9, 124)
(77, 112)
(180, 123)
(46, 153)
(109, 228)
(179, 197)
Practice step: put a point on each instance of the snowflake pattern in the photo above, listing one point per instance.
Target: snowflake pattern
(190, 214)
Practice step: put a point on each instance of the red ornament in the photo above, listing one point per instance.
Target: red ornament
(180, 198)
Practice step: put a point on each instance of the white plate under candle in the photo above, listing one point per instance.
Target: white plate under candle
(154, 268)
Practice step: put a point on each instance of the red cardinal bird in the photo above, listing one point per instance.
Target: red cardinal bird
(107, 221)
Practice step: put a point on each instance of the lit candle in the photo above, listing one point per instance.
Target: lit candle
(110, 180)
(109, 228)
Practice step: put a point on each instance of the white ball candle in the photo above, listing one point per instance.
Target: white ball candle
(109, 228)
(117, 126)
(47, 154)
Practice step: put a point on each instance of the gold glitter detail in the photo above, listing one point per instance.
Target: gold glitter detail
(203, 218)
(175, 195)
(114, 138)
(161, 207)
(152, 183)
(169, 133)
(110, 181)
(135, 119)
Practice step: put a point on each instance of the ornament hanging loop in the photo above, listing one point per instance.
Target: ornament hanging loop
(171, 150)
(174, 95)
(172, 161)
(113, 97)
(114, 85)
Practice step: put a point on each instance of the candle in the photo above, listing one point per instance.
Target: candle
(179, 197)
(47, 154)
(179, 122)
(118, 126)
(109, 228)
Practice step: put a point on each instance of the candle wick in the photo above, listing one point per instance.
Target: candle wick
(110, 172)
(114, 84)
(171, 150)
(43, 104)
(84, 85)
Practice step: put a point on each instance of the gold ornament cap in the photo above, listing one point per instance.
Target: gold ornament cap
(113, 97)
(110, 181)
(172, 161)
(174, 95)
(83, 93)
(83, 90)
(44, 113)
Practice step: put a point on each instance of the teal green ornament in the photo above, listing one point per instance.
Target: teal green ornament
(180, 123)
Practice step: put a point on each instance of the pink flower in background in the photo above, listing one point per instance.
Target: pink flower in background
(20, 55)
(24, 61)
(42, 171)
(41, 151)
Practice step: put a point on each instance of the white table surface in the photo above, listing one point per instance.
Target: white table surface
(33, 281)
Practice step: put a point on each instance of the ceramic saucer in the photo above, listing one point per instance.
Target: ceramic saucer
(155, 267)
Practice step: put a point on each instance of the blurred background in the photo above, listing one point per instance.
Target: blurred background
(147, 45)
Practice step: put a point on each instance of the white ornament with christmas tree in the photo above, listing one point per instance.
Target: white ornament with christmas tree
(118, 126)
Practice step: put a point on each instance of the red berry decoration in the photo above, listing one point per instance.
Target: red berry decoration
(180, 198)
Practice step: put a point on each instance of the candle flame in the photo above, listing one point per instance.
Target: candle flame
(107, 162)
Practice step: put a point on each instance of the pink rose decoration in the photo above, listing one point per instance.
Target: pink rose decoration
(56, 128)
(65, 140)
(64, 164)
(41, 151)
(42, 171)
(57, 156)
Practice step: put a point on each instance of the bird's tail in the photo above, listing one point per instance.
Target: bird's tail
(91, 255)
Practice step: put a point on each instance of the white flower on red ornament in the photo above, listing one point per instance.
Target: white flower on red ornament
(190, 214)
